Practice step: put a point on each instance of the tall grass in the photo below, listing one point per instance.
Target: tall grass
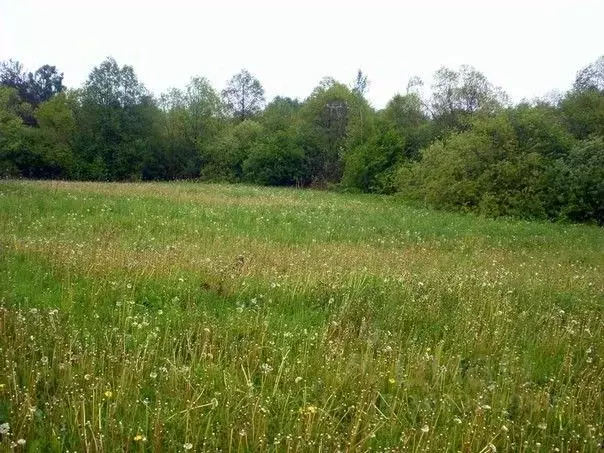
(186, 317)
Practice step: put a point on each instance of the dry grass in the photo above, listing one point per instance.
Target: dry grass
(158, 317)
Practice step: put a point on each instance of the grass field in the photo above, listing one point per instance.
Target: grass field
(194, 317)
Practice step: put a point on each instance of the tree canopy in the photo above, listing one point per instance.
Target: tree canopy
(463, 146)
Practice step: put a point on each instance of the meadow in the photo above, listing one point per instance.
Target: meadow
(177, 317)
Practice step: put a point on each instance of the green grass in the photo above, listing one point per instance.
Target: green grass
(155, 317)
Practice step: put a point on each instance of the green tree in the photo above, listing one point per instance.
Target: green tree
(191, 122)
(276, 160)
(12, 130)
(407, 116)
(116, 124)
(53, 139)
(459, 95)
(243, 96)
(224, 162)
(323, 131)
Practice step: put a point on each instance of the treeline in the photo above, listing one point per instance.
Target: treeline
(463, 146)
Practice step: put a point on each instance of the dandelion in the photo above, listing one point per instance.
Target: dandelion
(425, 429)
(4, 429)
(108, 394)
(266, 368)
(187, 446)
(21, 442)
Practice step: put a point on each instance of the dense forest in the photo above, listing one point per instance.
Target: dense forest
(464, 146)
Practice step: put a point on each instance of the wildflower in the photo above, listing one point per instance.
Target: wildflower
(504, 429)
(153, 375)
(21, 442)
(4, 428)
(87, 377)
(44, 360)
(187, 446)
(298, 379)
(243, 433)
(486, 407)
(425, 429)
(266, 368)
(138, 438)
(542, 426)
(2, 386)
(392, 380)
(108, 394)
(457, 420)
(311, 409)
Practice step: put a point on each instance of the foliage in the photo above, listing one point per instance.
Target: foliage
(461, 147)
(243, 96)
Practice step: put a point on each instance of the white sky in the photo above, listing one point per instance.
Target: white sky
(527, 47)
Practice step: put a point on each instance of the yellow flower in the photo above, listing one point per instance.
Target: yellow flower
(392, 380)
(108, 394)
(2, 386)
(138, 437)
(311, 409)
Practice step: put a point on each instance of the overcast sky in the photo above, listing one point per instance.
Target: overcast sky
(527, 47)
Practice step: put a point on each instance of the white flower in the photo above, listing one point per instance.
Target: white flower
(44, 360)
(4, 428)
(298, 379)
(153, 375)
(266, 368)
(187, 446)
(425, 429)
(21, 442)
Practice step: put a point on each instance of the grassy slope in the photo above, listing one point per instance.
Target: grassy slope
(151, 316)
